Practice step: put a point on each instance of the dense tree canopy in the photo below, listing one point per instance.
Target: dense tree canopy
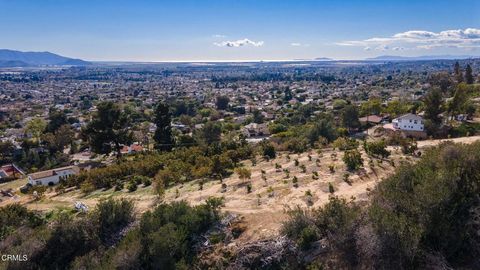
(109, 129)
(222, 102)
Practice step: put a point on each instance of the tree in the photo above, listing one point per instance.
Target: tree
(372, 106)
(397, 107)
(222, 102)
(109, 129)
(322, 128)
(433, 105)
(219, 166)
(458, 73)
(442, 80)
(345, 143)
(56, 119)
(36, 127)
(377, 149)
(6, 152)
(339, 104)
(287, 94)
(468, 75)
(112, 216)
(257, 117)
(244, 173)
(163, 134)
(57, 141)
(353, 159)
(457, 104)
(350, 117)
(144, 134)
(268, 150)
(210, 133)
(428, 206)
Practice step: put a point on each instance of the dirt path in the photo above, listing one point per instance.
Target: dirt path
(467, 140)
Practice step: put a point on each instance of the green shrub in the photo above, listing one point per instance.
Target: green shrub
(132, 186)
(295, 181)
(377, 149)
(147, 182)
(331, 189)
(344, 143)
(307, 236)
(119, 186)
(249, 188)
(353, 159)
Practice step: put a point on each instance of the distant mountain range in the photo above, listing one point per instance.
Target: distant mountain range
(11, 58)
(424, 57)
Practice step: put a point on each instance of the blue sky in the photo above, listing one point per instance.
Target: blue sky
(182, 30)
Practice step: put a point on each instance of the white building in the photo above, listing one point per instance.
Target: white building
(409, 122)
(51, 177)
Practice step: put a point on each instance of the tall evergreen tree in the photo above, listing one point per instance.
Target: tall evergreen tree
(288, 94)
(109, 129)
(350, 117)
(458, 73)
(468, 75)
(433, 106)
(163, 134)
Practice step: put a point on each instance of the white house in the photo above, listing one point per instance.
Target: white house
(51, 177)
(409, 122)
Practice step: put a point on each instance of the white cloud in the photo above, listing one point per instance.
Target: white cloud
(219, 36)
(382, 47)
(367, 48)
(419, 39)
(298, 44)
(239, 43)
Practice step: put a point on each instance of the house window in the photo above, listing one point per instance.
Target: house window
(415, 122)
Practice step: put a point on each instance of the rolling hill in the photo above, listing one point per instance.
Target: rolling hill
(11, 58)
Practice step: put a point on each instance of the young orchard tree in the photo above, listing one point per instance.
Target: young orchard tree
(244, 173)
(353, 159)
